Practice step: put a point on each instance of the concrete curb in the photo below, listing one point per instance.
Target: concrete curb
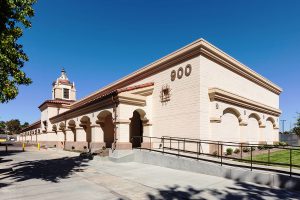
(234, 173)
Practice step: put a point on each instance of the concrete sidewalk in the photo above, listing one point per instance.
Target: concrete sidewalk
(51, 174)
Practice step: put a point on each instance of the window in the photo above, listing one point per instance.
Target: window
(66, 93)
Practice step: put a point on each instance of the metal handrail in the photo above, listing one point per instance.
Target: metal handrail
(176, 150)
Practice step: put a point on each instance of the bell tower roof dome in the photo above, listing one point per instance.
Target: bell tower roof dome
(63, 75)
(63, 88)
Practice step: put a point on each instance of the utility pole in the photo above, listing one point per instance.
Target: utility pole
(283, 121)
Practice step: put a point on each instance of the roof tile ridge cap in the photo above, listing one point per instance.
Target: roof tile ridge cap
(129, 88)
(208, 44)
(32, 124)
(199, 41)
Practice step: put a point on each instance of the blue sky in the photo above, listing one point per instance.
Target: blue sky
(98, 42)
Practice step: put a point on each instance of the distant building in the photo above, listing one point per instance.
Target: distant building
(197, 91)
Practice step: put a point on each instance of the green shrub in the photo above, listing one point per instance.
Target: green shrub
(237, 151)
(282, 143)
(260, 147)
(246, 149)
(229, 151)
(266, 146)
(276, 144)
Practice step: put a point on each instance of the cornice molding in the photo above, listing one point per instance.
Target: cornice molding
(131, 99)
(81, 111)
(199, 47)
(216, 94)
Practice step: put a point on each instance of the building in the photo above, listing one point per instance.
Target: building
(197, 91)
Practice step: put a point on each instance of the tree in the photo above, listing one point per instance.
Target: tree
(26, 124)
(14, 15)
(296, 129)
(2, 127)
(13, 126)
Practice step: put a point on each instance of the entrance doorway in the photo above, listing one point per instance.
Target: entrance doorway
(136, 129)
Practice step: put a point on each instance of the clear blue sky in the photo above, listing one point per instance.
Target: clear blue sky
(100, 41)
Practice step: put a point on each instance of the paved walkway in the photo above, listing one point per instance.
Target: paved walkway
(51, 174)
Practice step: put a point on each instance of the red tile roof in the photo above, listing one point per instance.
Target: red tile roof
(98, 97)
(34, 125)
(58, 101)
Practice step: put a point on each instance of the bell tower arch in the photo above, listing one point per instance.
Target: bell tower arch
(63, 88)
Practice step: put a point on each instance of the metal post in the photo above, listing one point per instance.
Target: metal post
(163, 140)
(184, 145)
(150, 143)
(6, 148)
(218, 149)
(178, 148)
(251, 156)
(221, 154)
(268, 156)
(170, 143)
(198, 150)
(200, 147)
(290, 161)
(241, 151)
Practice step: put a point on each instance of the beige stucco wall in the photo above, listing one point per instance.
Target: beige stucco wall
(213, 75)
(180, 116)
(190, 110)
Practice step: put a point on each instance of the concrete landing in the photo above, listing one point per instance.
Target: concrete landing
(54, 174)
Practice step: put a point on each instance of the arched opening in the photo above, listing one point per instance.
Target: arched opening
(86, 124)
(252, 135)
(106, 122)
(234, 112)
(272, 120)
(72, 127)
(62, 127)
(229, 129)
(136, 127)
(54, 128)
(269, 130)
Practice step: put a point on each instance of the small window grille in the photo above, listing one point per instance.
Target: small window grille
(165, 93)
(66, 93)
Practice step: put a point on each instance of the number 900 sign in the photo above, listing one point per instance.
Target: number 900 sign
(179, 74)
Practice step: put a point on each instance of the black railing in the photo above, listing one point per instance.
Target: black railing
(245, 154)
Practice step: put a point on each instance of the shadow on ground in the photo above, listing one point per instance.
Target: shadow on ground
(238, 192)
(48, 170)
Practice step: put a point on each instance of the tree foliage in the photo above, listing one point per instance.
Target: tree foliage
(12, 126)
(296, 129)
(2, 127)
(14, 15)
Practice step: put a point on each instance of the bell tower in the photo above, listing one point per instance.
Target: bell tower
(63, 88)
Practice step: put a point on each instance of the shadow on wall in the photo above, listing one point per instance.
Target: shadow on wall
(48, 170)
(238, 192)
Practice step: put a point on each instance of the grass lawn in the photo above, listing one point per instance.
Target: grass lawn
(282, 156)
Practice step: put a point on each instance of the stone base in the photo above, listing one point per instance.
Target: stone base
(123, 145)
(49, 143)
(60, 145)
(77, 146)
(96, 146)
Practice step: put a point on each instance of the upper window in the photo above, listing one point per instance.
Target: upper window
(66, 93)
